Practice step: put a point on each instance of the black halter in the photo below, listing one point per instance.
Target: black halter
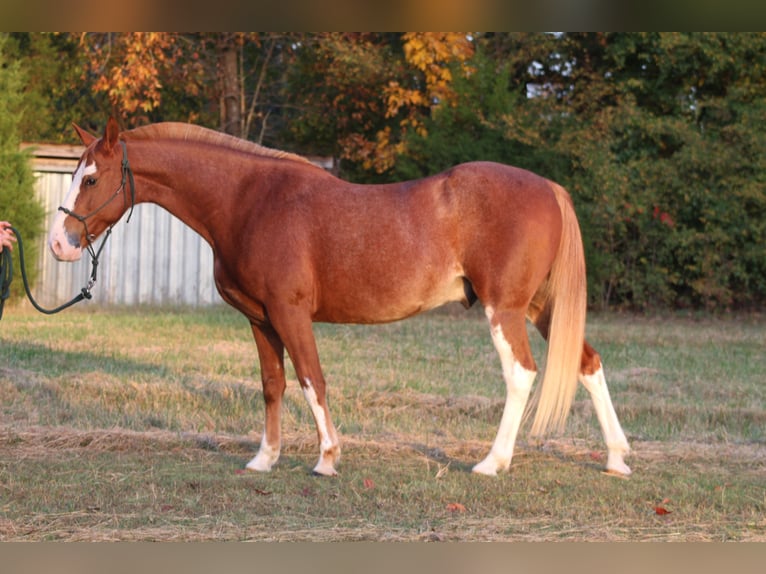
(6, 264)
(127, 175)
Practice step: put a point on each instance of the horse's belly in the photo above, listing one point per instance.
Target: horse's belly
(391, 303)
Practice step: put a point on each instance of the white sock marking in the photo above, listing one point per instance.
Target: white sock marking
(326, 442)
(518, 382)
(616, 443)
(266, 457)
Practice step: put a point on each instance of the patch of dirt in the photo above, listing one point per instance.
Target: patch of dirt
(465, 404)
(20, 377)
(37, 440)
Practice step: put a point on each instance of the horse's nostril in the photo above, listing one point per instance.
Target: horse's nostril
(73, 240)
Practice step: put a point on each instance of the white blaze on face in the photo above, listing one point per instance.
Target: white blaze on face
(58, 240)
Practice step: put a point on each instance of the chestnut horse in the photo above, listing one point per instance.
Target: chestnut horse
(293, 244)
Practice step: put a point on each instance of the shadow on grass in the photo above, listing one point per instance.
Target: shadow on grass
(40, 359)
(439, 457)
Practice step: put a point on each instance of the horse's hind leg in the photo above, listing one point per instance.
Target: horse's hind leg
(592, 377)
(510, 339)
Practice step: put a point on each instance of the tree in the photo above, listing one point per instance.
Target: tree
(662, 132)
(483, 121)
(335, 83)
(251, 73)
(360, 95)
(132, 70)
(222, 80)
(17, 198)
(54, 92)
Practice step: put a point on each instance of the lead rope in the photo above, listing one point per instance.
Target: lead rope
(6, 276)
(6, 262)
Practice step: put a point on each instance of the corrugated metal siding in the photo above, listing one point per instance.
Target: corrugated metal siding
(155, 259)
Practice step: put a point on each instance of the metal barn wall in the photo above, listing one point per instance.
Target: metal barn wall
(155, 259)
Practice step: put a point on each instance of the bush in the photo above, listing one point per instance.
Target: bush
(17, 197)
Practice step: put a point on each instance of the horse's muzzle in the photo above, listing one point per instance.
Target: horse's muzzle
(65, 246)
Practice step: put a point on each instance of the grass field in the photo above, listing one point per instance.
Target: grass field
(135, 424)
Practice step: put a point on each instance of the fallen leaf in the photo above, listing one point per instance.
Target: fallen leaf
(240, 471)
(661, 510)
(595, 456)
(368, 483)
(455, 507)
(261, 492)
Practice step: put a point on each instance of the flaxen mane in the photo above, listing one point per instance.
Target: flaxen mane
(181, 131)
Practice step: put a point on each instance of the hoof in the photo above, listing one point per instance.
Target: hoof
(325, 470)
(327, 460)
(260, 464)
(616, 466)
(487, 467)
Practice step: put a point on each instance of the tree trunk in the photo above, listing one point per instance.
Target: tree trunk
(231, 114)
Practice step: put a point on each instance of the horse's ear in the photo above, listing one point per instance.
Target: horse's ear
(111, 134)
(85, 137)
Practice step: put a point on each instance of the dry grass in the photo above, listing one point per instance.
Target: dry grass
(160, 485)
(103, 438)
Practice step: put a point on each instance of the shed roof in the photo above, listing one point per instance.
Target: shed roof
(58, 158)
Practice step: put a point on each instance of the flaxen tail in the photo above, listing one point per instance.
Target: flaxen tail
(565, 295)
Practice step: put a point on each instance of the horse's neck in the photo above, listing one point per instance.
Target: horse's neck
(183, 185)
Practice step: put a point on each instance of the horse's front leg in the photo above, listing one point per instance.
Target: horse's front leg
(295, 329)
(271, 355)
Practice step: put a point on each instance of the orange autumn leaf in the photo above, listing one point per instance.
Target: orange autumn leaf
(455, 507)
(369, 484)
(661, 510)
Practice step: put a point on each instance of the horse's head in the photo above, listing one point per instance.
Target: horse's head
(100, 193)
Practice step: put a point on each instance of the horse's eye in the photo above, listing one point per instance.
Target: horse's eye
(90, 181)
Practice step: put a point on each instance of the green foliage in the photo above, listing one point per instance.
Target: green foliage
(334, 83)
(668, 172)
(17, 201)
(477, 127)
(658, 136)
(55, 89)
